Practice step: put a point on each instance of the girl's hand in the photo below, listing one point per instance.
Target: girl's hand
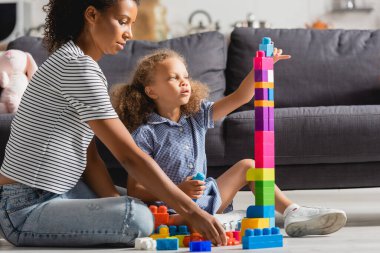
(277, 55)
(192, 188)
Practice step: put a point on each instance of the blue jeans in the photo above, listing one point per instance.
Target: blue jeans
(33, 217)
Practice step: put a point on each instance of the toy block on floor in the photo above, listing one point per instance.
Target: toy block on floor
(194, 237)
(163, 232)
(262, 238)
(161, 216)
(252, 223)
(260, 212)
(180, 230)
(231, 240)
(262, 62)
(145, 243)
(180, 240)
(267, 46)
(264, 85)
(200, 246)
(236, 235)
(167, 244)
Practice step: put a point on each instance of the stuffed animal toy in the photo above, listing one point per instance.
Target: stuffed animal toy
(16, 70)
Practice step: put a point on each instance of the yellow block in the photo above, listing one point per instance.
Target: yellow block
(163, 233)
(252, 223)
(269, 85)
(180, 240)
(264, 103)
(254, 174)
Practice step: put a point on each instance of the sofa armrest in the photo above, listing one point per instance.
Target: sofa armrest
(5, 130)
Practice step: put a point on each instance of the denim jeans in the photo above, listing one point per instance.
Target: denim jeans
(33, 217)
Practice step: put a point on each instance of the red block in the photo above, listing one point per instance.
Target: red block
(261, 62)
(264, 162)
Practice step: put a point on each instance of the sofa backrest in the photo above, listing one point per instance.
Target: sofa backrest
(330, 67)
(205, 54)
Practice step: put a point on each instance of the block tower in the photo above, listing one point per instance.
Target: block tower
(257, 227)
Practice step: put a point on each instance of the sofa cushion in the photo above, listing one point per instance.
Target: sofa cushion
(331, 67)
(205, 54)
(309, 135)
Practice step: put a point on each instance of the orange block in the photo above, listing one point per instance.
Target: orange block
(161, 216)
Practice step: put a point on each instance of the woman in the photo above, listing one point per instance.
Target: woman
(42, 200)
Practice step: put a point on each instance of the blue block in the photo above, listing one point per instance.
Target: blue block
(199, 176)
(180, 230)
(272, 222)
(267, 46)
(271, 94)
(262, 238)
(183, 230)
(167, 244)
(200, 246)
(260, 212)
(173, 230)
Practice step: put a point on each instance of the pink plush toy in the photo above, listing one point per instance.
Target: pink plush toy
(16, 70)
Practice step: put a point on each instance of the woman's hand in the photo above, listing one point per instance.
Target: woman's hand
(208, 226)
(193, 188)
(277, 55)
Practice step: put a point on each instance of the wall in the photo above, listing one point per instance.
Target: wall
(279, 13)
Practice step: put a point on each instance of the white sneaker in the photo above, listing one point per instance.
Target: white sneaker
(304, 220)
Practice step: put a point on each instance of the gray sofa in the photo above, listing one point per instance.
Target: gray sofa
(327, 99)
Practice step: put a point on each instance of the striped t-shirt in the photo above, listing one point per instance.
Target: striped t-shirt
(49, 135)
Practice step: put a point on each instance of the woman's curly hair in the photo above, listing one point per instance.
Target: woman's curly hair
(65, 19)
(134, 106)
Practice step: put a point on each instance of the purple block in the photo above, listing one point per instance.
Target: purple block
(271, 125)
(261, 94)
(261, 124)
(271, 113)
(261, 75)
(261, 113)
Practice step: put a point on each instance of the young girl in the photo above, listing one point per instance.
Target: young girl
(43, 202)
(166, 110)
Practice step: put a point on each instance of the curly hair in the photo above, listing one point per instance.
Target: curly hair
(64, 20)
(134, 106)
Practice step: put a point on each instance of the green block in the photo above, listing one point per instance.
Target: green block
(261, 184)
(264, 197)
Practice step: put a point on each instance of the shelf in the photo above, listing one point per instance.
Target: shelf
(353, 10)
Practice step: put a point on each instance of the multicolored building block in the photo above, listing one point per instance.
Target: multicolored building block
(257, 229)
